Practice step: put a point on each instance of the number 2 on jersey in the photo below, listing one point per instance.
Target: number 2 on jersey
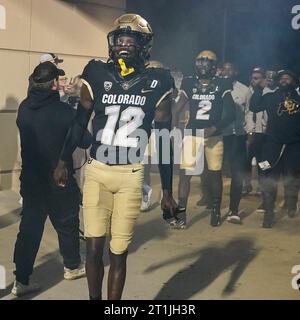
(133, 118)
(204, 108)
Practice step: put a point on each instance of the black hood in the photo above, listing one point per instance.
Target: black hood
(39, 98)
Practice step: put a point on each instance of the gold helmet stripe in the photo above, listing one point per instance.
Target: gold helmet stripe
(207, 54)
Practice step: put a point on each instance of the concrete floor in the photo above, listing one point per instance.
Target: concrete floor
(229, 262)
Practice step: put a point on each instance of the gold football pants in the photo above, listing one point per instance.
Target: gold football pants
(111, 202)
(213, 150)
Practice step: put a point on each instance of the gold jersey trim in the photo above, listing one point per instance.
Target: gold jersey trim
(225, 92)
(89, 88)
(163, 97)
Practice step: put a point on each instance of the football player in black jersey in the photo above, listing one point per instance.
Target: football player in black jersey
(125, 97)
(212, 109)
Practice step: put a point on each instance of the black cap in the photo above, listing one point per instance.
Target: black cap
(289, 72)
(45, 72)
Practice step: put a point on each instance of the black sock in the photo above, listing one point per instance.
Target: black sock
(182, 202)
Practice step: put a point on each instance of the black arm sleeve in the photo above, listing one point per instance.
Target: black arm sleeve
(257, 100)
(228, 114)
(76, 132)
(165, 170)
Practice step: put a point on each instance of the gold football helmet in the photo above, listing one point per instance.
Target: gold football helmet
(206, 63)
(132, 24)
(210, 55)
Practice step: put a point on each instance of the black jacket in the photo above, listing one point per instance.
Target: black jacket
(283, 111)
(43, 122)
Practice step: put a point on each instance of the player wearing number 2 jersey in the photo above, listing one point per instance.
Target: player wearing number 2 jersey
(125, 97)
(211, 108)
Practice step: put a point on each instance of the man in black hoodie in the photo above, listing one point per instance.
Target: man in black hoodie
(281, 151)
(43, 122)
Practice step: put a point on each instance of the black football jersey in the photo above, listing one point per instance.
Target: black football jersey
(123, 108)
(206, 104)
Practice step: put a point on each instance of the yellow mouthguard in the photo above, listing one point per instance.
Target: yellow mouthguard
(124, 70)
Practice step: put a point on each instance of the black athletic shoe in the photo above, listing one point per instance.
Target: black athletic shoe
(177, 222)
(268, 220)
(233, 217)
(169, 218)
(181, 218)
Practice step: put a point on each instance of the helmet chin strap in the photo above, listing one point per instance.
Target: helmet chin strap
(125, 71)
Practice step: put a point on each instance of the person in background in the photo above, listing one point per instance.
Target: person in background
(281, 151)
(271, 82)
(235, 137)
(73, 91)
(63, 86)
(179, 119)
(50, 57)
(43, 121)
(147, 189)
(46, 57)
(212, 109)
(255, 127)
(80, 156)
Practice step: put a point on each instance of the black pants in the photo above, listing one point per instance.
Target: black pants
(254, 150)
(211, 186)
(288, 166)
(235, 149)
(62, 206)
(204, 183)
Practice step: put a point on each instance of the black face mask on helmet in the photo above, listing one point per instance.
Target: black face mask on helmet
(205, 68)
(134, 61)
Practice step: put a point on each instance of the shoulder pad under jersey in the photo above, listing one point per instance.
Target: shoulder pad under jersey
(163, 76)
(225, 84)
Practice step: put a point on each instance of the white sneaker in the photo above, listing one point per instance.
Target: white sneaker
(146, 200)
(73, 274)
(20, 289)
(145, 205)
(233, 217)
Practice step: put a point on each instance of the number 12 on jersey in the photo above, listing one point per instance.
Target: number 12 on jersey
(132, 117)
